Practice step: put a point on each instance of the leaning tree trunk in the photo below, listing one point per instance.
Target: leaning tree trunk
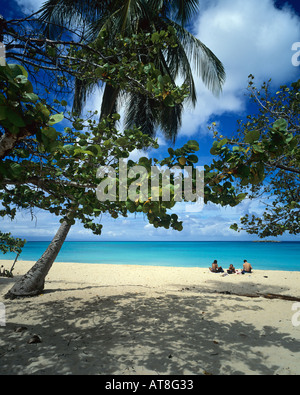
(32, 283)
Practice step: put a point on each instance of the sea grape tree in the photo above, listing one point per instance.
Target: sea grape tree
(263, 160)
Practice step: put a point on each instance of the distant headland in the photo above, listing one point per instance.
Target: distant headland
(266, 241)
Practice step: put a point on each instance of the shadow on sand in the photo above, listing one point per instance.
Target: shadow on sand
(134, 333)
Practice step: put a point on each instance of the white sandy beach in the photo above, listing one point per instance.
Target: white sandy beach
(132, 320)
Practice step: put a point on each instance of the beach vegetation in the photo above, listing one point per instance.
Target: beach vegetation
(263, 159)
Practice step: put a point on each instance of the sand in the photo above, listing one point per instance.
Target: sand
(139, 320)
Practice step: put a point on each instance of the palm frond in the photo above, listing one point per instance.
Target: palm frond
(184, 10)
(70, 13)
(109, 101)
(206, 63)
(146, 114)
(180, 11)
(171, 121)
(82, 90)
(139, 111)
(179, 66)
(134, 16)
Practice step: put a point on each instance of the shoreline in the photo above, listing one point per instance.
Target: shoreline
(263, 256)
(102, 319)
(5, 262)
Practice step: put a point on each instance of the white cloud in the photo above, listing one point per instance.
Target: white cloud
(42, 224)
(249, 37)
(212, 223)
(136, 154)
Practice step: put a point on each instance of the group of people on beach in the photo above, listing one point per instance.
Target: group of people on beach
(215, 268)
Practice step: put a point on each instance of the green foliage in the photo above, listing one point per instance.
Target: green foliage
(55, 170)
(264, 160)
(126, 70)
(22, 113)
(15, 89)
(10, 244)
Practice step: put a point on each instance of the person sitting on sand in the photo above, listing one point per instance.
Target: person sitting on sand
(215, 268)
(231, 269)
(247, 268)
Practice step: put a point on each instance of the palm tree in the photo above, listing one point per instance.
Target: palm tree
(133, 16)
(129, 17)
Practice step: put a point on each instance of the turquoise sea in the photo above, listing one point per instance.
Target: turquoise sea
(263, 256)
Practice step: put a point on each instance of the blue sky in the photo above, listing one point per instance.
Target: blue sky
(250, 37)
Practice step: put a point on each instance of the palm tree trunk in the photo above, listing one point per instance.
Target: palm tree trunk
(32, 283)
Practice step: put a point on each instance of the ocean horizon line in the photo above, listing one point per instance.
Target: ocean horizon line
(169, 241)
